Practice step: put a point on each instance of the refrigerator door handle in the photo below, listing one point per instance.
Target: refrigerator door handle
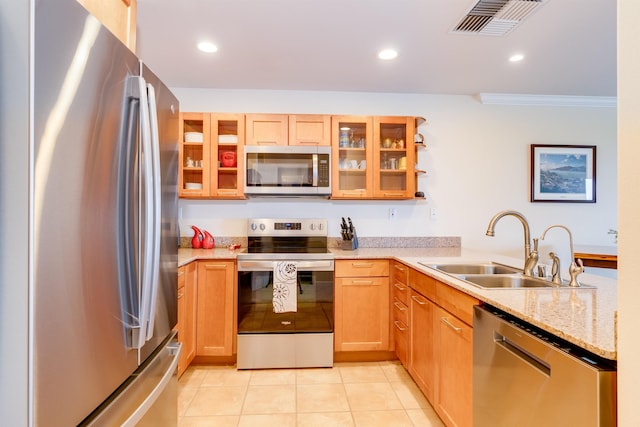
(156, 208)
(175, 348)
(147, 218)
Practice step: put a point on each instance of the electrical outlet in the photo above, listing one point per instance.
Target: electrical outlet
(433, 214)
(393, 213)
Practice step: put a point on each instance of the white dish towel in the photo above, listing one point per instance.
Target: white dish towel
(285, 283)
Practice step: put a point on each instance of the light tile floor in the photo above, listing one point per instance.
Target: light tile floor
(349, 394)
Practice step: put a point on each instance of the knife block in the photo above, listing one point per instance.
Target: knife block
(350, 245)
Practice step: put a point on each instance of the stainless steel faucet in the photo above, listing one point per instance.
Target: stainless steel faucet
(574, 269)
(530, 256)
(555, 268)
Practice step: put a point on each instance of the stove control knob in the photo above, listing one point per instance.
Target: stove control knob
(320, 226)
(313, 226)
(254, 226)
(262, 227)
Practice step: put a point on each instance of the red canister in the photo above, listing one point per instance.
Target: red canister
(228, 159)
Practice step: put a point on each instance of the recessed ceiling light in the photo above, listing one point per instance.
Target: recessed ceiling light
(207, 47)
(516, 58)
(387, 54)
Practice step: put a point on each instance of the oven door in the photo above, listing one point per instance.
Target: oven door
(314, 298)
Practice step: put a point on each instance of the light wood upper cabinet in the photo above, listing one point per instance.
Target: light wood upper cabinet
(119, 16)
(362, 305)
(227, 156)
(215, 331)
(394, 157)
(307, 129)
(194, 179)
(352, 157)
(267, 129)
(211, 156)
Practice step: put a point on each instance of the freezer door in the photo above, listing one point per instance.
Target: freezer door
(83, 307)
(150, 398)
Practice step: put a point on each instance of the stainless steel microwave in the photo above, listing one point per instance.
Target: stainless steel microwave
(287, 170)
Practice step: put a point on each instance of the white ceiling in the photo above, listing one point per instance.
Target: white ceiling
(331, 45)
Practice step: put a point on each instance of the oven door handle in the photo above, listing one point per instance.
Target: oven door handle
(320, 265)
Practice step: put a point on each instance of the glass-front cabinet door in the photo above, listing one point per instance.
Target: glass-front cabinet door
(352, 147)
(193, 178)
(394, 157)
(227, 155)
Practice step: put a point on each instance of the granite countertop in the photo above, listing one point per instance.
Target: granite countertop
(585, 317)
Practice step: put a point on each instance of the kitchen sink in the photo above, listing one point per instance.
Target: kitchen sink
(490, 275)
(476, 268)
(509, 281)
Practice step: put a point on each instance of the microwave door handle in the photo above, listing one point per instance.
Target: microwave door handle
(314, 160)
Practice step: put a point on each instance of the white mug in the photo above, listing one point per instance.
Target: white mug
(354, 164)
(363, 164)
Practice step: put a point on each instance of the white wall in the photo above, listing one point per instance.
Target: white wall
(477, 161)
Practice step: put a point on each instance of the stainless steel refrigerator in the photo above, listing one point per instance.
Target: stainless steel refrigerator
(104, 229)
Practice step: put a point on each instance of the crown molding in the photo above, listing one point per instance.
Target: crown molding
(547, 100)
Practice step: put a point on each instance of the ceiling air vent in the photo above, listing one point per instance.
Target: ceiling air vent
(496, 17)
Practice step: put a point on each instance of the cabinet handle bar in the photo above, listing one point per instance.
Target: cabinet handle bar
(446, 322)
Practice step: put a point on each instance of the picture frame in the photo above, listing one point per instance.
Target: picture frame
(563, 173)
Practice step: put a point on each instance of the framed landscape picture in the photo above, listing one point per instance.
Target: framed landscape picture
(563, 173)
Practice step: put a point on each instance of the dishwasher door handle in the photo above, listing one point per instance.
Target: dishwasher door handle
(522, 354)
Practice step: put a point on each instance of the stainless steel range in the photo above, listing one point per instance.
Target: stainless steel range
(285, 295)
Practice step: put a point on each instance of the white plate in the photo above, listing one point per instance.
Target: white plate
(228, 139)
(193, 137)
(193, 186)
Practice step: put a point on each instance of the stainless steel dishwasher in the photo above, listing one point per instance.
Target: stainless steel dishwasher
(524, 376)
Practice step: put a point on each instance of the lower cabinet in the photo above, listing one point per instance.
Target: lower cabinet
(454, 369)
(215, 326)
(441, 347)
(362, 305)
(186, 327)
(422, 341)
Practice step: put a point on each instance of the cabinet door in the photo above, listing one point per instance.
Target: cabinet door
(181, 325)
(267, 129)
(308, 129)
(190, 309)
(421, 343)
(352, 144)
(454, 373)
(394, 157)
(362, 313)
(194, 155)
(119, 16)
(227, 155)
(215, 325)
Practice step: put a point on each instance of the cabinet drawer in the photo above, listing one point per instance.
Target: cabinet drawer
(423, 284)
(400, 312)
(455, 302)
(400, 272)
(400, 292)
(362, 268)
(399, 282)
(401, 341)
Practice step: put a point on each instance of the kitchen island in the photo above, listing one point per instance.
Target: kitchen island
(584, 317)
